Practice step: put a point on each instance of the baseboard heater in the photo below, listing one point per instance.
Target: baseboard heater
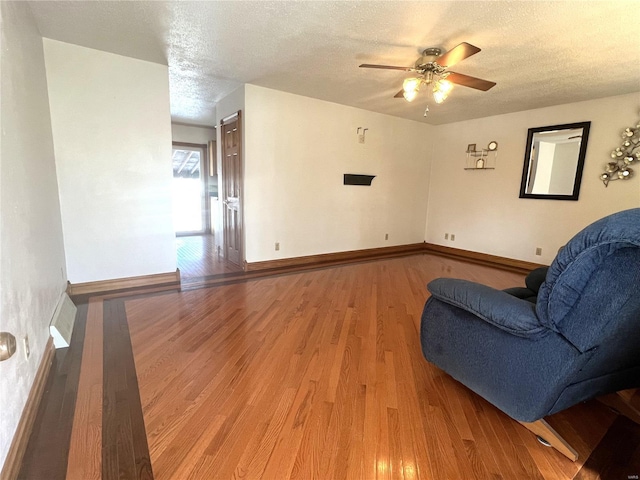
(64, 318)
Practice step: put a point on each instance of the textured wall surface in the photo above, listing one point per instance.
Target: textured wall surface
(482, 208)
(31, 253)
(297, 150)
(192, 134)
(112, 136)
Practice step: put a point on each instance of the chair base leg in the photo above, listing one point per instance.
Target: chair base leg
(543, 441)
(544, 431)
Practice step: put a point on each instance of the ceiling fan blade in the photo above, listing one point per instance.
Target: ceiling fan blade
(456, 54)
(400, 94)
(387, 67)
(472, 82)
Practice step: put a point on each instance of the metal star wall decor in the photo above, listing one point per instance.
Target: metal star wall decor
(623, 156)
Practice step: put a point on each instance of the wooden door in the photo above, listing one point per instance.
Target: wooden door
(231, 194)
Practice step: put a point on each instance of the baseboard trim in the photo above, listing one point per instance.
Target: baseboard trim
(18, 447)
(518, 266)
(165, 281)
(327, 259)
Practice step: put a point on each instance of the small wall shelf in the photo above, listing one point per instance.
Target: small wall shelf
(357, 179)
(481, 159)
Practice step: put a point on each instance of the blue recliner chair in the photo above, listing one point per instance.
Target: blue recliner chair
(533, 356)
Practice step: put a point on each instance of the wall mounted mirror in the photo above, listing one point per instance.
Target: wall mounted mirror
(554, 160)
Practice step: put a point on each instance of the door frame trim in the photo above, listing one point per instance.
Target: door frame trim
(236, 116)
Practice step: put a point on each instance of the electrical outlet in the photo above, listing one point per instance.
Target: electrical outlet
(453, 237)
(277, 246)
(27, 350)
(538, 251)
(386, 236)
(446, 236)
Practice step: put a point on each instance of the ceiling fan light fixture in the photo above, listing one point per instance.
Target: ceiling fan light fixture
(432, 68)
(439, 97)
(444, 86)
(441, 90)
(411, 84)
(410, 95)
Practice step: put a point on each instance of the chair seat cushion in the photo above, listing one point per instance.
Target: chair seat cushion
(496, 307)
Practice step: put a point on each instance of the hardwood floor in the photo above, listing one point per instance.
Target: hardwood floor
(197, 257)
(315, 375)
(48, 449)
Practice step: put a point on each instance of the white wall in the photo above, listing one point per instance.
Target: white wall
(192, 134)
(296, 152)
(32, 259)
(112, 136)
(565, 162)
(544, 168)
(482, 208)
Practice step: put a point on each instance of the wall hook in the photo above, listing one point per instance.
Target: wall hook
(361, 135)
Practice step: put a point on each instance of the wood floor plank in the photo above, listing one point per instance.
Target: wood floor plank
(197, 257)
(482, 444)
(125, 451)
(320, 375)
(270, 440)
(619, 456)
(315, 375)
(48, 447)
(85, 457)
(186, 459)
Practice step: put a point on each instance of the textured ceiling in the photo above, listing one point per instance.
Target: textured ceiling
(539, 53)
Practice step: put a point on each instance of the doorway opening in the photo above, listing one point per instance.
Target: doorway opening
(195, 197)
(190, 210)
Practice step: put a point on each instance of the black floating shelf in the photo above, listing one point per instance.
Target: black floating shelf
(353, 179)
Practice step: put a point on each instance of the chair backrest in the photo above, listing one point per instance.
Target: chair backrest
(592, 289)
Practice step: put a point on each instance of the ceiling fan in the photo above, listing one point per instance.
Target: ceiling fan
(431, 68)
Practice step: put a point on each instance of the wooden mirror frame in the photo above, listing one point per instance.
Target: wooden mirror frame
(579, 166)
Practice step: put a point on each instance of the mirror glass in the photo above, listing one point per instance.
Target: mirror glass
(554, 160)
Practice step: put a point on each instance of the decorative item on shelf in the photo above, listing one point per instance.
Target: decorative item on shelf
(479, 159)
(623, 157)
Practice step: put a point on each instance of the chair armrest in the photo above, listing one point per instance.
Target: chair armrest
(496, 307)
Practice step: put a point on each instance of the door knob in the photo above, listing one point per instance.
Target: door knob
(7, 345)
